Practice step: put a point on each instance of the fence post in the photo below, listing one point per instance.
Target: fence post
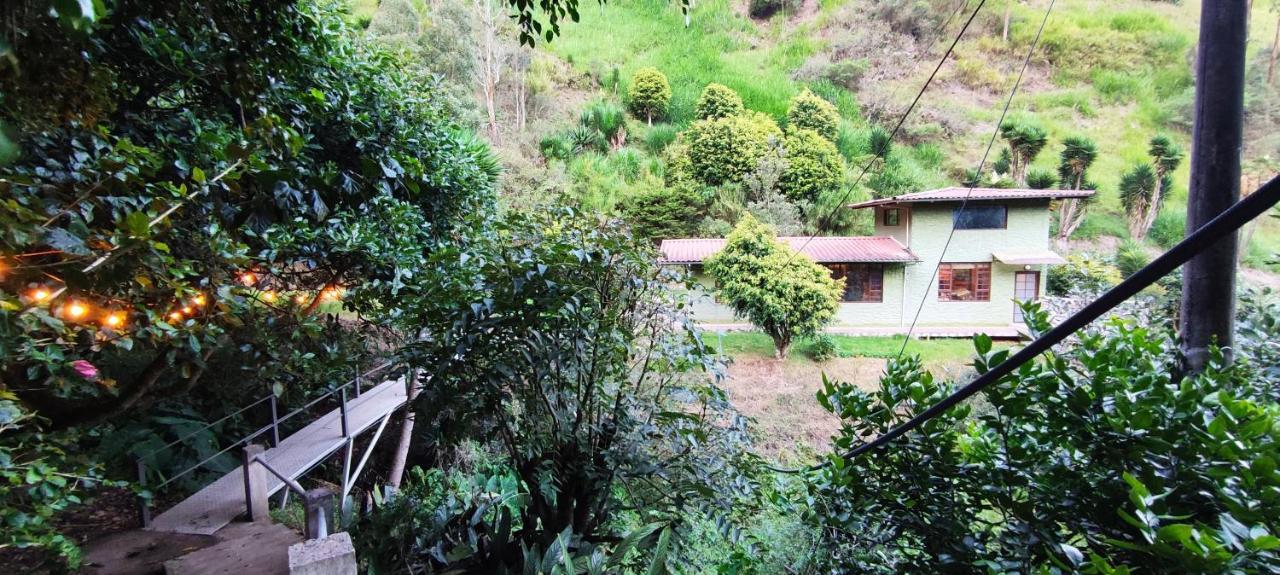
(275, 423)
(319, 510)
(359, 378)
(255, 483)
(342, 408)
(144, 506)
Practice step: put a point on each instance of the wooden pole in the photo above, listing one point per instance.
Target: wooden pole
(1209, 279)
(255, 483)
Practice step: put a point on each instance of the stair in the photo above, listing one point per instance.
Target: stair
(244, 549)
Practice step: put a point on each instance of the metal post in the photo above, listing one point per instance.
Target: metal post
(275, 423)
(144, 506)
(342, 408)
(319, 510)
(1209, 279)
(359, 379)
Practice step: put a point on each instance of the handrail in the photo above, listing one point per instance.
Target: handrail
(205, 427)
(292, 483)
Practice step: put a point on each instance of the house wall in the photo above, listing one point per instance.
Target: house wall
(885, 313)
(1027, 228)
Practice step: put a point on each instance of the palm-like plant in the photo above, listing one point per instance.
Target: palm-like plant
(1026, 141)
(1078, 154)
(1138, 196)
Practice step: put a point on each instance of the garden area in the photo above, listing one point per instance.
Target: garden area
(220, 212)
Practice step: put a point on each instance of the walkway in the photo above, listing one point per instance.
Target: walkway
(215, 506)
(1011, 331)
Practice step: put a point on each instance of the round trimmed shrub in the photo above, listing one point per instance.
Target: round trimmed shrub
(823, 348)
(718, 101)
(721, 150)
(809, 111)
(813, 166)
(650, 94)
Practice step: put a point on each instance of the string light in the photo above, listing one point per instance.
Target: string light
(77, 310)
(175, 315)
(248, 278)
(300, 298)
(199, 300)
(114, 319)
(269, 296)
(40, 294)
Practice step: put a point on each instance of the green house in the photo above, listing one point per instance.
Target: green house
(960, 258)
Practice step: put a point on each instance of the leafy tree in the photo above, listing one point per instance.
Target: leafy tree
(1166, 156)
(809, 111)
(1144, 188)
(196, 183)
(782, 292)
(440, 41)
(664, 212)
(1026, 140)
(1095, 458)
(557, 342)
(813, 167)
(649, 94)
(718, 101)
(722, 150)
(1078, 154)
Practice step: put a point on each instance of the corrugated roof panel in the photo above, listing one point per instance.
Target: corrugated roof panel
(820, 249)
(957, 194)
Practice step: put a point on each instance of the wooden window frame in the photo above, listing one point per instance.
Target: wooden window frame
(946, 283)
(874, 284)
(1004, 223)
(897, 217)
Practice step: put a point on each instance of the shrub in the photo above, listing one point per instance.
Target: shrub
(1131, 257)
(555, 147)
(813, 166)
(823, 348)
(784, 293)
(659, 137)
(721, 150)
(811, 112)
(1038, 179)
(607, 119)
(650, 94)
(847, 73)
(1082, 274)
(767, 8)
(664, 212)
(718, 101)
(1169, 228)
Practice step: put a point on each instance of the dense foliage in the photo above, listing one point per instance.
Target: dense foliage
(195, 184)
(1096, 458)
(576, 365)
(809, 111)
(664, 212)
(722, 150)
(650, 94)
(813, 167)
(780, 291)
(718, 101)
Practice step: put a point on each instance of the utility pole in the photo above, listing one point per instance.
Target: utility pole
(1209, 279)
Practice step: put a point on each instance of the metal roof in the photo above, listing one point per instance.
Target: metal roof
(959, 194)
(821, 249)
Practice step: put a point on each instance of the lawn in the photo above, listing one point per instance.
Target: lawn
(950, 351)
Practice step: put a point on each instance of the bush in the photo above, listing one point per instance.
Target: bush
(811, 112)
(1131, 257)
(1169, 228)
(847, 73)
(606, 119)
(664, 212)
(813, 166)
(555, 147)
(722, 150)
(650, 94)
(1038, 179)
(1082, 274)
(659, 137)
(767, 8)
(718, 101)
(823, 348)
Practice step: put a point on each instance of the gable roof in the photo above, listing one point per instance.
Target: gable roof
(847, 249)
(959, 194)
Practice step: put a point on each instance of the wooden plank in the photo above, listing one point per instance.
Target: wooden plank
(219, 503)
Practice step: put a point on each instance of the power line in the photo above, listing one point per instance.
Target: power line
(995, 134)
(897, 128)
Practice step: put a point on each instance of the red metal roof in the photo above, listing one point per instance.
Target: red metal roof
(820, 249)
(957, 194)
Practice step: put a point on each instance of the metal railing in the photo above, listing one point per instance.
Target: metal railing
(141, 460)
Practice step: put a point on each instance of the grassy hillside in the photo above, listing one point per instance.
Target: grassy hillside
(1117, 71)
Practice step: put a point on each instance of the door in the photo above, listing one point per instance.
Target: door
(1026, 287)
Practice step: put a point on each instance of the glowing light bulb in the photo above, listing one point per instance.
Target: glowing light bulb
(269, 296)
(301, 298)
(175, 316)
(198, 300)
(248, 278)
(40, 294)
(77, 310)
(187, 310)
(114, 319)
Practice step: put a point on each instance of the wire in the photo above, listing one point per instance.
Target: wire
(990, 144)
(995, 134)
(897, 128)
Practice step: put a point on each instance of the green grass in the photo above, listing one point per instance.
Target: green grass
(930, 350)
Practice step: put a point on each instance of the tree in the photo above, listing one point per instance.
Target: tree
(664, 212)
(1166, 156)
(814, 166)
(810, 111)
(782, 292)
(717, 101)
(1078, 154)
(649, 94)
(1137, 195)
(722, 150)
(556, 341)
(1026, 140)
(1275, 45)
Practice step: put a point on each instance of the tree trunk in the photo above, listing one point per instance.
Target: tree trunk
(491, 69)
(398, 461)
(1008, 9)
(1275, 53)
(782, 347)
(1153, 208)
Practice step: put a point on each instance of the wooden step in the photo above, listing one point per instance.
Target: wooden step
(245, 549)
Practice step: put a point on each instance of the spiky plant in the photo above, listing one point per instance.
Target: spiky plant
(1078, 154)
(1026, 141)
(1138, 196)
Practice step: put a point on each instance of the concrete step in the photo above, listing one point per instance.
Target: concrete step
(244, 549)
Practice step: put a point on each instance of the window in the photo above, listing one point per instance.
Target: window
(964, 282)
(980, 217)
(862, 282)
(891, 216)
